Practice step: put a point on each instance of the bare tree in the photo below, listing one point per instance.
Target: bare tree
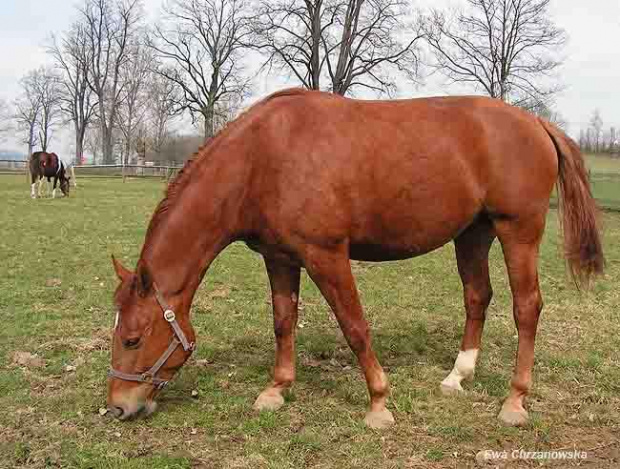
(132, 109)
(200, 46)
(596, 124)
(27, 109)
(349, 43)
(37, 108)
(291, 32)
(109, 27)
(93, 142)
(71, 53)
(368, 47)
(505, 47)
(46, 84)
(162, 108)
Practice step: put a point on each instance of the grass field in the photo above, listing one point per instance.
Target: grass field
(603, 164)
(56, 285)
(605, 180)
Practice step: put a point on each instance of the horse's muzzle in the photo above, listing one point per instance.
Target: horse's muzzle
(130, 411)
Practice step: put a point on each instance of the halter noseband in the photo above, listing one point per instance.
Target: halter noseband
(178, 338)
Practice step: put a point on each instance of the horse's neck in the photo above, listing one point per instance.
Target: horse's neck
(183, 241)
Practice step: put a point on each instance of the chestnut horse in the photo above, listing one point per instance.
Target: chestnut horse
(312, 180)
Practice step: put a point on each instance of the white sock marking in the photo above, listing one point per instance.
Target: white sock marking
(464, 367)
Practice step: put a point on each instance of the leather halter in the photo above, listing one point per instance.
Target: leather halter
(178, 338)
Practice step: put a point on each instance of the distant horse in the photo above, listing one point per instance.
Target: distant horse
(46, 166)
(312, 180)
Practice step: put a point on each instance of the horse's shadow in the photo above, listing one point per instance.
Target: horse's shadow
(323, 358)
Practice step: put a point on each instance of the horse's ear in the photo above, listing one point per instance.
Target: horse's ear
(121, 272)
(145, 281)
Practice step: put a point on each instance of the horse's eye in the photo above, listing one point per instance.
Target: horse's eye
(131, 343)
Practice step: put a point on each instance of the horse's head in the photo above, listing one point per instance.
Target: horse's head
(65, 185)
(152, 340)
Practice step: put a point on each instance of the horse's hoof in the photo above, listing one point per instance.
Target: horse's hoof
(379, 419)
(450, 388)
(269, 399)
(513, 417)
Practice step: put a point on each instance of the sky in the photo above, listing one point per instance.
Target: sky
(590, 74)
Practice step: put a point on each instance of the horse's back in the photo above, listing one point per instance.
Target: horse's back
(396, 178)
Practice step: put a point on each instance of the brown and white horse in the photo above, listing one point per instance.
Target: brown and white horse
(43, 166)
(311, 180)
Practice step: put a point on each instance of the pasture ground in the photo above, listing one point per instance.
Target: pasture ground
(56, 284)
(605, 180)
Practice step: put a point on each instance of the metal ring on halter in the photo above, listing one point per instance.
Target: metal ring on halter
(178, 338)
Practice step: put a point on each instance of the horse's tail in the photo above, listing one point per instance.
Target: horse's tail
(578, 211)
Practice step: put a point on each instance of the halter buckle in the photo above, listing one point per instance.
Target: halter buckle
(169, 315)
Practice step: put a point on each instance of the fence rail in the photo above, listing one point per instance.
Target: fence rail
(102, 170)
(115, 170)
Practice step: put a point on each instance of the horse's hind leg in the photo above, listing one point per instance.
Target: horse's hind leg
(472, 256)
(330, 269)
(520, 240)
(33, 186)
(284, 281)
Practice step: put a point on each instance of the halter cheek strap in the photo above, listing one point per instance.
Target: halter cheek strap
(178, 338)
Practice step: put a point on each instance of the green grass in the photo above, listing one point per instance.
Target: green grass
(603, 164)
(50, 417)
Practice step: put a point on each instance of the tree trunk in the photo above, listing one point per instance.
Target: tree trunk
(127, 151)
(209, 125)
(79, 144)
(316, 45)
(30, 139)
(30, 148)
(43, 139)
(107, 145)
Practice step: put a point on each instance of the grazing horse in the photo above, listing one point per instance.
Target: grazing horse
(312, 180)
(48, 165)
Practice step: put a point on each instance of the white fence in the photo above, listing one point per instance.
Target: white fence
(165, 171)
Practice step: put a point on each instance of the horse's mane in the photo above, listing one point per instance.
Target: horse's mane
(180, 181)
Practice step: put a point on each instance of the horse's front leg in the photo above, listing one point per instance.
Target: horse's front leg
(54, 191)
(284, 281)
(330, 269)
(41, 182)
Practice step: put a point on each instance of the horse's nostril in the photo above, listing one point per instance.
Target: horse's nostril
(116, 411)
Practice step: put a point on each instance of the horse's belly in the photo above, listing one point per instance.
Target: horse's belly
(379, 253)
(404, 242)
